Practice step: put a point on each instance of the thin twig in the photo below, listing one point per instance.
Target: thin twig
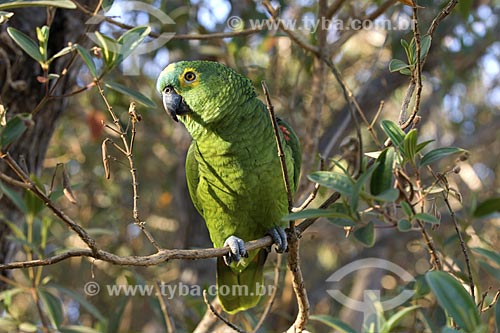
(492, 303)
(270, 302)
(164, 309)
(127, 151)
(220, 316)
(462, 244)
(28, 184)
(298, 285)
(281, 153)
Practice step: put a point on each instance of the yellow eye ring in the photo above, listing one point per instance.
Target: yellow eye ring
(189, 77)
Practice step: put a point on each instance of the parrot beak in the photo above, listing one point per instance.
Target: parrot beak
(174, 103)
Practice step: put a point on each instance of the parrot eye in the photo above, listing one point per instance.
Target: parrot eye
(189, 77)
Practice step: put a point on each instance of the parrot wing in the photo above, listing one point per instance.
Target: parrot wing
(193, 176)
(292, 141)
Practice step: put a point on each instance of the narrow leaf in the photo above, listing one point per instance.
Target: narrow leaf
(5, 16)
(422, 145)
(406, 208)
(437, 154)
(390, 195)
(382, 178)
(333, 180)
(453, 298)
(333, 323)
(393, 132)
(53, 307)
(391, 323)
(14, 129)
(492, 255)
(26, 43)
(366, 234)
(62, 52)
(396, 65)
(130, 40)
(137, 96)
(87, 59)
(14, 197)
(487, 207)
(428, 218)
(313, 213)
(425, 45)
(410, 145)
(9, 4)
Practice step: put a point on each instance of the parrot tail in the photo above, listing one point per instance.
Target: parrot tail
(242, 290)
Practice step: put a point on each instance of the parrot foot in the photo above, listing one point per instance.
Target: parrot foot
(237, 250)
(278, 235)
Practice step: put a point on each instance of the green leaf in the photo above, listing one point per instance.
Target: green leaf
(130, 40)
(63, 51)
(53, 307)
(422, 145)
(493, 271)
(407, 208)
(391, 323)
(116, 316)
(109, 48)
(14, 129)
(492, 255)
(439, 153)
(333, 322)
(333, 180)
(453, 298)
(428, 218)
(487, 207)
(425, 46)
(397, 65)
(83, 302)
(14, 197)
(390, 195)
(313, 213)
(16, 231)
(404, 225)
(9, 4)
(87, 59)
(5, 16)
(359, 184)
(393, 132)
(137, 96)
(410, 146)
(26, 43)
(382, 178)
(365, 234)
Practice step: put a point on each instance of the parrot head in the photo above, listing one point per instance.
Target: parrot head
(203, 92)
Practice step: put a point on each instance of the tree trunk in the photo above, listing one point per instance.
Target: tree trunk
(21, 92)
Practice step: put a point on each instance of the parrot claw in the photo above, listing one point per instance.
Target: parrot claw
(278, 235)
(237, 250)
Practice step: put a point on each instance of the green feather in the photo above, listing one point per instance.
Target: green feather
(232, 166)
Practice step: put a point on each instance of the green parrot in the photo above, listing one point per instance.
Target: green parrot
(232, 168)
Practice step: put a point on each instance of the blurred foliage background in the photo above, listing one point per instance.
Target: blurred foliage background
(460, 107)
